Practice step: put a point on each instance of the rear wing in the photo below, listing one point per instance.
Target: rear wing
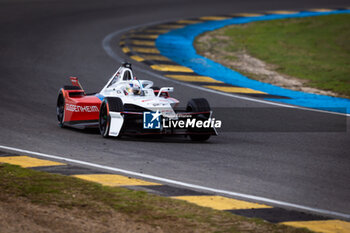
(75, 82)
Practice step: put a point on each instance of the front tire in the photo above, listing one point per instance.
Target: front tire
(113, 104)
(198, 105)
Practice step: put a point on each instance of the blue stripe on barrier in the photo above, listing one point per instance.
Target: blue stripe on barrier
(177, 45)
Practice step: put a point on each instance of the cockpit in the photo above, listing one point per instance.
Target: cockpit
(123, 81)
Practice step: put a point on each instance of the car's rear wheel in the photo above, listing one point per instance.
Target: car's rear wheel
(60, 109)
(198, 105)
(113, 104)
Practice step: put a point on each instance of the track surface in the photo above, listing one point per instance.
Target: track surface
(44, 42)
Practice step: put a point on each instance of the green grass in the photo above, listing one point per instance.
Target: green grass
(92, 199)
(316, 49)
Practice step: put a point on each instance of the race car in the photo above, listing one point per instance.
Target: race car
(129, 106)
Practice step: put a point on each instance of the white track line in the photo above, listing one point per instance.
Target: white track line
(193, 186)
(107, 46)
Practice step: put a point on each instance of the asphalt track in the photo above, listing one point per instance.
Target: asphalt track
(44, 42)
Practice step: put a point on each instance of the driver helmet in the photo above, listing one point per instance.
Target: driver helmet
(135, 87)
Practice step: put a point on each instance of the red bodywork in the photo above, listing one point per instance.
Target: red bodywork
(80, 107)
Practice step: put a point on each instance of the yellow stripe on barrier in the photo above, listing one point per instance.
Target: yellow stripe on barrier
(185, 21)
(325, 226)
(170, 26)
(155, 57)
(137, 58)
(114, 180)
(143, 42)
(125, 49)
(282, 12)
(214, 18)
(159, 31)
(247, 14)
(145, 50)
(320, 10)
(144, 36)
(171, 68)
(26, 161)
(221, 203)
(122, 43)
(235, 89)
(193, 78)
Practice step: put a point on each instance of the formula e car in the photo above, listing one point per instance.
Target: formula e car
(128, 106)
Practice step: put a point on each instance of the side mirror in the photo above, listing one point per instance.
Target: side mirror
(165, 89)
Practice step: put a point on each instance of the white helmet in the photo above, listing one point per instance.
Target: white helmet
(136, 87)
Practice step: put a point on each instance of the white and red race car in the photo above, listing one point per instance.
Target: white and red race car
(128, 106)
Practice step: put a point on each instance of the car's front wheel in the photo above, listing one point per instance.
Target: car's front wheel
(114, 104)
(198, 105)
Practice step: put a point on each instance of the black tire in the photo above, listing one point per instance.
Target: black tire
(198, 105)
(60, 109)
(60, 104)
(114, 104)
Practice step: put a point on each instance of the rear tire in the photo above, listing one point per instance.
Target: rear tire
(198, 105)
(113, 104)
(60, 109)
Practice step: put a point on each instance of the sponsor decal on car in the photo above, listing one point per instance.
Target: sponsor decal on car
(77, 108)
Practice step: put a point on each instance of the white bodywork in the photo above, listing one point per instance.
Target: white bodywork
(121, 84)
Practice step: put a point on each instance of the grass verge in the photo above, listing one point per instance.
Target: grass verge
(314, 49)
(47, 202)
